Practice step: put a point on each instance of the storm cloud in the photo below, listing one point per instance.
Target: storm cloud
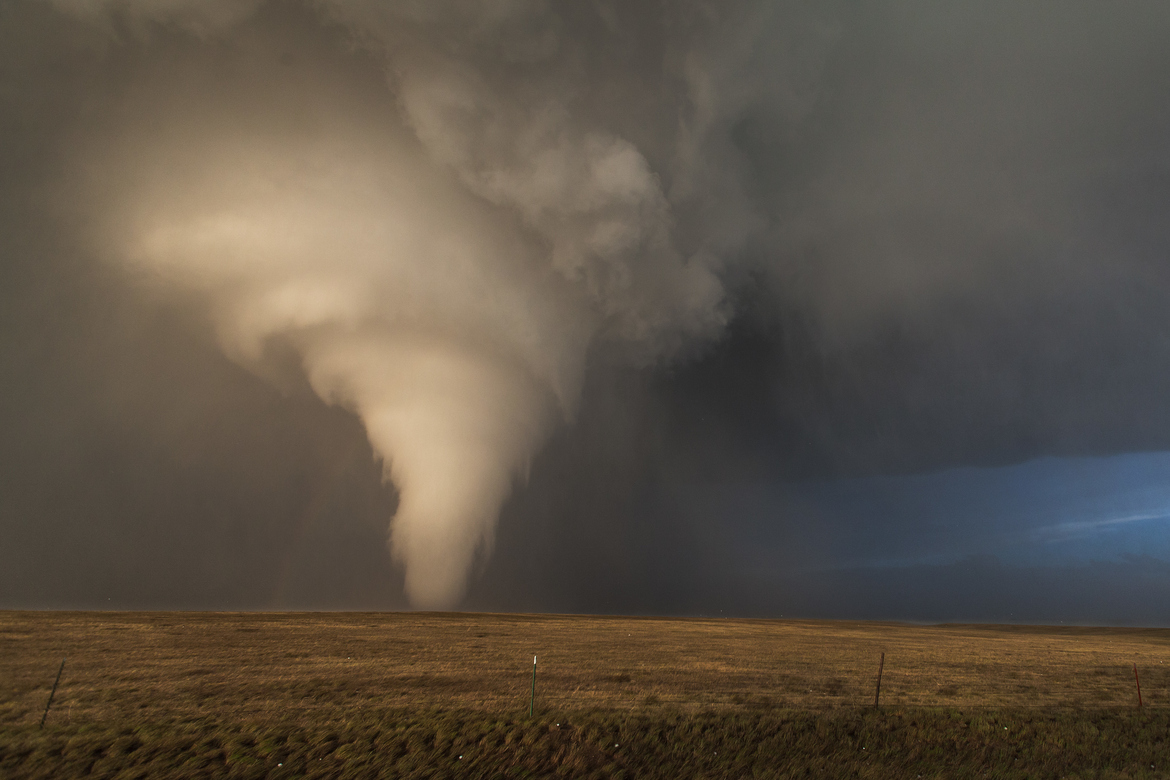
(567, 279)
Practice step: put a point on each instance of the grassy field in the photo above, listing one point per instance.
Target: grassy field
(406, 695)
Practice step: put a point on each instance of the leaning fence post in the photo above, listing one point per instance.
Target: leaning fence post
(532, 701)
(1139, 685)
(877, 694)
(52, 693)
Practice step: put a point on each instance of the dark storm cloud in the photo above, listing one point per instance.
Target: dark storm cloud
(940, 234)
(968, 234)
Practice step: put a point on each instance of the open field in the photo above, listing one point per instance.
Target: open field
(236, 693)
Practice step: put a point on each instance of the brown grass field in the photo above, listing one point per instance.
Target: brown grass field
(447, 695)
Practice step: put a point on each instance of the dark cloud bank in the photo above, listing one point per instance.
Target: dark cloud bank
(653, 253)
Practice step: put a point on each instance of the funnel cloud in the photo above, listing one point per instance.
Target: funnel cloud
(438, 247)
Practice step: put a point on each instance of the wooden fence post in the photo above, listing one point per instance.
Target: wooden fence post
(52, 693)
(877, 694)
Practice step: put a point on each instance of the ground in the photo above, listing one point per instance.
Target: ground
(439, 695)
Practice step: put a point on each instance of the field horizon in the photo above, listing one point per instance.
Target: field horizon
(156, 691)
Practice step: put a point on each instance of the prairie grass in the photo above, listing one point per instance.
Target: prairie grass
(404, 695)
(411, 743)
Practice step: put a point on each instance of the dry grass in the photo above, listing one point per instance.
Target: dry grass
(177, 665)
(236, 692)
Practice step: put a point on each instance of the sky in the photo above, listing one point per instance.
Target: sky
(852, 310)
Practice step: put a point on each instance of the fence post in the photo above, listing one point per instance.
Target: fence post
(532, 701)
(52, 693)
(877, 694)
(1139, 685)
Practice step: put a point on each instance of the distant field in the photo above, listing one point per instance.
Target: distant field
(231, 681)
